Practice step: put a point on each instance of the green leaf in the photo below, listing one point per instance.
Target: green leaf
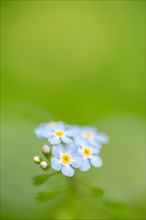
(40, 179)
(46, 196)
(97, 191)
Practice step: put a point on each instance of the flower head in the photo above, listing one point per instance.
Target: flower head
(66, 158)
(92, 136)
(43, 130)
(90, 156)
(58, 134)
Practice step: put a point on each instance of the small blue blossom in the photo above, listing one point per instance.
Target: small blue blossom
(58, 134)
(43, 130)
(92, 136)
(66, 158)
(90, 156)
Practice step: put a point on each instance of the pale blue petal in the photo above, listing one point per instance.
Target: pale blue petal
(39, 132)
(95, 144)
(102, 138)
(82, 142)
(73, 130)
(71, 149)
(67, 170)
(93, 130)
(54, 140)
(59, 127)
(94, 150)
(47, 133)
(56, 163)
(78, 140)
(77, 161)
(66, 139)
(96, 161)
(57, 150)
(85, 165)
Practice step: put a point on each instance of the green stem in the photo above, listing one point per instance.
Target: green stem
(73, 186)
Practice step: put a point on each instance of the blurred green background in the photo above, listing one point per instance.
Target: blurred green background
(81, 62)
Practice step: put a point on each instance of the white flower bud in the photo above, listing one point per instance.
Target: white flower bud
(43, 165)
(46, 149)
(37, 159)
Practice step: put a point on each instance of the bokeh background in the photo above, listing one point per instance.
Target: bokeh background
(81, 62)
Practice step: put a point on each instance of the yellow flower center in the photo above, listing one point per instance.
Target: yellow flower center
(66, 158)
(88, 135)
(86, 152)
(59, 133)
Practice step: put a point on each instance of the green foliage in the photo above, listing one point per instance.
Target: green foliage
(46, 196)
(97, 192)
(39, 180)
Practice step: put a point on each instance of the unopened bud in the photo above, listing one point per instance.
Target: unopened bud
(46, 149)
(43, 165)
(37, 159)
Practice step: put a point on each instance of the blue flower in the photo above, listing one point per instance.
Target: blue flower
(90, 156)
(58, 134)
(43, 130)
(66, 158)
(92, 136)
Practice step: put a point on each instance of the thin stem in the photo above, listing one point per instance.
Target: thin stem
(73, 186)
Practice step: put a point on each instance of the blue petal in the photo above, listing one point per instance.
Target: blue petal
(38, 132)
(59, 127)
(67, 170)
(57, 150)
(94, 150)
(73, 130)
(47, 133)
(96, 161)
(95, 144)
(71, 148)
(93, 130)
(85, 165)
(66, 139)
(102, 138)
(56, 163)
(77, 161)
(82, 142)
(54, 140)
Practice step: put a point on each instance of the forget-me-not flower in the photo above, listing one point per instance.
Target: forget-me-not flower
(45, 128)
(66, 158)
(90, 156)
(58, 134)
(92, 136)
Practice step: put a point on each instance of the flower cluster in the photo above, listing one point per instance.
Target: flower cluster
(70, 147)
